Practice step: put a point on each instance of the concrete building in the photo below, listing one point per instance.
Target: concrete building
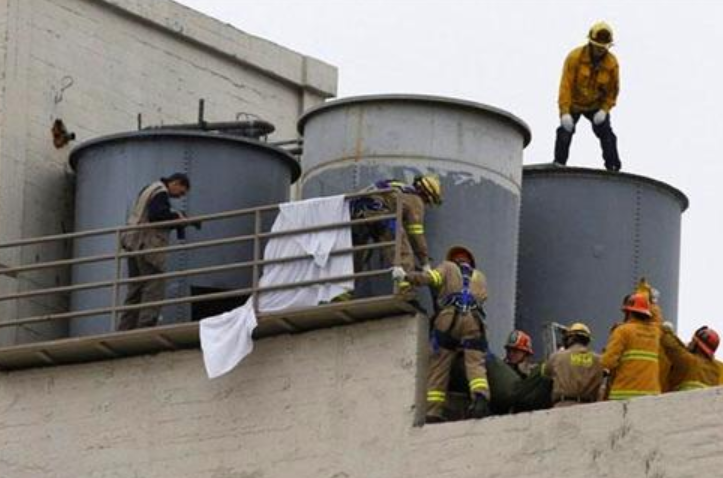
(96, 65)
(335, 403)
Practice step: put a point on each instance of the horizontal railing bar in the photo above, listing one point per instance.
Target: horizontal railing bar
(182, 247)
(165, 224)
(185, 300)
(186, 273)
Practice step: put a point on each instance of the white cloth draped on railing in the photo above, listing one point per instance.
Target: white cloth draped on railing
(226, 338)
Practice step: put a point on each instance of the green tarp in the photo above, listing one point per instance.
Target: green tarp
(511, 393)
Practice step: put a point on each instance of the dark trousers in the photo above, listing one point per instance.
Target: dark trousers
(603, 131)
(139, 292)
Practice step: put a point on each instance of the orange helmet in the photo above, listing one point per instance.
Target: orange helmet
(519, 340)
(457, 250)
(637, 303)
(707, 340)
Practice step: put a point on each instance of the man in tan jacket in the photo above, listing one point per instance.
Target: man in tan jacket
(458, 328)
(576, 372)
(152, 205)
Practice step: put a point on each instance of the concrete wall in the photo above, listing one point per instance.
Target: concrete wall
(97, 64)
(337, 403)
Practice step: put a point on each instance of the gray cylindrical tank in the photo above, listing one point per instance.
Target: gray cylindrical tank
(226, 173)
(586, 238)
(475, 149)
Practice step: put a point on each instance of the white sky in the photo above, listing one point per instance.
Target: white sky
(509, 54)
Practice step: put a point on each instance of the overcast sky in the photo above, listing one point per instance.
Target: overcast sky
(509, 54)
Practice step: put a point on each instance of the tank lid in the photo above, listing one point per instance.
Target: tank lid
(150, 135)
(408, 98)
(547, 169)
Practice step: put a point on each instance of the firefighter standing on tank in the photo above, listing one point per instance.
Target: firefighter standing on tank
(458, 328)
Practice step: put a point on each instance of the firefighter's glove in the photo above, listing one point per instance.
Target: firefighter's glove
(599, 117)
(654, 295)
(567, 122)
(427, 268)
(398, 274)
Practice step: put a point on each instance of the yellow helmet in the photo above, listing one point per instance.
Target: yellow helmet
(601, 34)
(430, 188)
(580, 329)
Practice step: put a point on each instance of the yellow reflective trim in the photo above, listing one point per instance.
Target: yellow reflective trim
(436, 278)
(626, 394)
(436, 392)
(692, 385)
(639, 355)
(415, 229)
(435, 399)
(478, 384)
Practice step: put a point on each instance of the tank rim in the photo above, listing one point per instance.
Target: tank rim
(151, 134)
(506, 116)
(546, 169)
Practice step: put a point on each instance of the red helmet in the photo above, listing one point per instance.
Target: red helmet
(707, 340)
(519, 340)
(637, 303)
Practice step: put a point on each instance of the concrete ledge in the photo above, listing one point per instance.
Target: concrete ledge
(334, 403)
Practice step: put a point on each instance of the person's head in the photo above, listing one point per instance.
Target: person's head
(178, 184)
(600, 39)
(637, 306)
(518, 347)
(706, 341)
(429, 188)
(461, 255)
(577, 333)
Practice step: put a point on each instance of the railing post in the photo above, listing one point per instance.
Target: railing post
(257, 258)
(398, 231)
(116, 278)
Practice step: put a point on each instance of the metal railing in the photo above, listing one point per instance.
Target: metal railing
(255, 265)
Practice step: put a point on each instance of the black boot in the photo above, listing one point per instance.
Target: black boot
(480, 408)
(434, 419)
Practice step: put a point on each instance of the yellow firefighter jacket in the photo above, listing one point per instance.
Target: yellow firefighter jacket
(588, 87)
(691, 370)
(720, 376)
(632, 355)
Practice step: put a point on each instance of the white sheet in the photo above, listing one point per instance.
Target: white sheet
(226, 338)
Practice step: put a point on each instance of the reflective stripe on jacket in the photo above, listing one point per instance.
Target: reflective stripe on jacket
(632, 356)
(588, 87)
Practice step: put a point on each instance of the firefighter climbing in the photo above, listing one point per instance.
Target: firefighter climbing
(458, 328)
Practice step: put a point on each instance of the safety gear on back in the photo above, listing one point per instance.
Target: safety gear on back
(601, 34)
(455, 251)
(429, 188)
(707, 340)
(637, 303)
(519, 340)
(579, 329)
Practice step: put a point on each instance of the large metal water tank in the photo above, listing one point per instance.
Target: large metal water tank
(586, 238)
(226, 172)
(475, 149)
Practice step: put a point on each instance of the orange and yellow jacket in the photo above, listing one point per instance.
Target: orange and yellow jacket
(588, 87)
(720, 367)
(693, 370)
(632, 356)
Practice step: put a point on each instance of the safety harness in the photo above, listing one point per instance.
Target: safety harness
(463, 303)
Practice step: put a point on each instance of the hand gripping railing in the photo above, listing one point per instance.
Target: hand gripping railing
(255, 265)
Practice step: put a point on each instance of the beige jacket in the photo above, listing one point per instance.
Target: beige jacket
(150, 238)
